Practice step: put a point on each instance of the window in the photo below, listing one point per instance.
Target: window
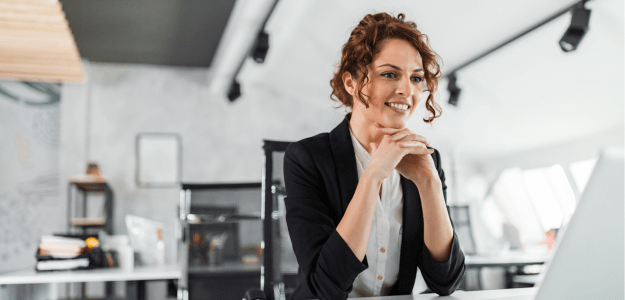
(581, 172)
(534, 201)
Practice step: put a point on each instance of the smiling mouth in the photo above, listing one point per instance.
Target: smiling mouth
(398, 107)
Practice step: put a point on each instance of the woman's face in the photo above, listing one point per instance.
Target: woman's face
(396, 84)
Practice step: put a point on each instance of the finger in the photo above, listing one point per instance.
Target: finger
(387, 130)
(413, 137)
(412, 144)
(374, 147)
(401, 134)
(420, 151)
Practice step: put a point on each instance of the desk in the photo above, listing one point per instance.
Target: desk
(507, 294)
(510, 260)
(135, 278)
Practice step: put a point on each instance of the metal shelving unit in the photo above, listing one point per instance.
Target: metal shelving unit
(78, 206)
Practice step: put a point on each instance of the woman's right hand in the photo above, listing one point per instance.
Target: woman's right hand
(391, 150)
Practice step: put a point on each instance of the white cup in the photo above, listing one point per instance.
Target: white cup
(126, 256)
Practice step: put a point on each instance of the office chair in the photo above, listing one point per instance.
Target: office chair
(278, 263)
(460, 215)
(461, 218)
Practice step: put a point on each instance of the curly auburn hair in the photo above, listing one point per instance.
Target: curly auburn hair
(365, 42)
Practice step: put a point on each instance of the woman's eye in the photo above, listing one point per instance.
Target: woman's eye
(388, 75)
(417, 79)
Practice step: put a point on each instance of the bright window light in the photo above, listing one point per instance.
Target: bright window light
(534, 201)
(563, 192)
(581, 172)
(543, 198)
(492, 217)
(513, 197)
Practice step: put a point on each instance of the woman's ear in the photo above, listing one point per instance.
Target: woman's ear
(349, 83)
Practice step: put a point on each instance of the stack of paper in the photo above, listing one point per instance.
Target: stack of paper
(61, 253)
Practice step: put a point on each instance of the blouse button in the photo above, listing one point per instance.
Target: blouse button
(379, 277)
(382, 249)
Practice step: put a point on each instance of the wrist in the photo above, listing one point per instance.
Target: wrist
(428, 182)
(373, 178)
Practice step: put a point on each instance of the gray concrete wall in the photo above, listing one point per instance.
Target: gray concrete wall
(30, 202)
(221, 141)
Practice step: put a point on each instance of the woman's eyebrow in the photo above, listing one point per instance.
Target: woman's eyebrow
(398, 68)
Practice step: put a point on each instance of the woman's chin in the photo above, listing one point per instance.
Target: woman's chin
(397, 124)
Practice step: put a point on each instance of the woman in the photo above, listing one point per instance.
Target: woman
(366, 203)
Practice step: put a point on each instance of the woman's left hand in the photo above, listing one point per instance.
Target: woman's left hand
(418, 168)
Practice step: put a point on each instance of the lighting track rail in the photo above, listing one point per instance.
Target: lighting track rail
(580, 14)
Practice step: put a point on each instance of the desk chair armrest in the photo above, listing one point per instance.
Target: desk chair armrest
(254, 295)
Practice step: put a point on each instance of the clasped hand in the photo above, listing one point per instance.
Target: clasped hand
(405, 151)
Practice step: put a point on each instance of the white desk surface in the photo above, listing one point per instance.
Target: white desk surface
(30, 276)
(508, 258)
(507, 294)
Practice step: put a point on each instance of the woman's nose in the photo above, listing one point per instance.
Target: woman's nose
(404, 88)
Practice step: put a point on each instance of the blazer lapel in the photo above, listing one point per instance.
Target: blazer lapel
(412, 235)
(345, 162)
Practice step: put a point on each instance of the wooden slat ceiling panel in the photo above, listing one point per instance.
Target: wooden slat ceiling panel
(36, 43)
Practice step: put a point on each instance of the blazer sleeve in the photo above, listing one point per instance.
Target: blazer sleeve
(329, 265)
(443, 277)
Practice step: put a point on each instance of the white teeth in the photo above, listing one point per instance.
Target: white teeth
(398, 106)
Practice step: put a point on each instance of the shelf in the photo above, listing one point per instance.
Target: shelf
(90, 183)
(197, 219)
(88, 222)
(89, 226)
(226, 268)
(204, 186)
(79, 202)
(30, 276)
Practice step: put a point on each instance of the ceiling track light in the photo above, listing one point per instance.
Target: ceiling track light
(258, 52)
(577, 30)
(261, 47)
(234, 91)
(454, 90)
(579, 22)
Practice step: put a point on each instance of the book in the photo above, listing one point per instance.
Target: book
(62, 239)
(62, 264)
(60, 247)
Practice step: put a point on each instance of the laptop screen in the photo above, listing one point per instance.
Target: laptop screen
(588, 260)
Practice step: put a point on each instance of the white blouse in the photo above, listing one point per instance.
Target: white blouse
(385, 236)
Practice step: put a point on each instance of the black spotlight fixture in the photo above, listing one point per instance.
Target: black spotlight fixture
(259, 52)
(578, 28)
(235, 91)
(454, 90)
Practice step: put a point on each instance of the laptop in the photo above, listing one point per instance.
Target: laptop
(588, 260)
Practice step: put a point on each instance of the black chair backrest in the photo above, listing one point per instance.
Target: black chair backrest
(275, 235)
(461, 217)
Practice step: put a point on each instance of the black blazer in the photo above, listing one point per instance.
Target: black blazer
(321, 177)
